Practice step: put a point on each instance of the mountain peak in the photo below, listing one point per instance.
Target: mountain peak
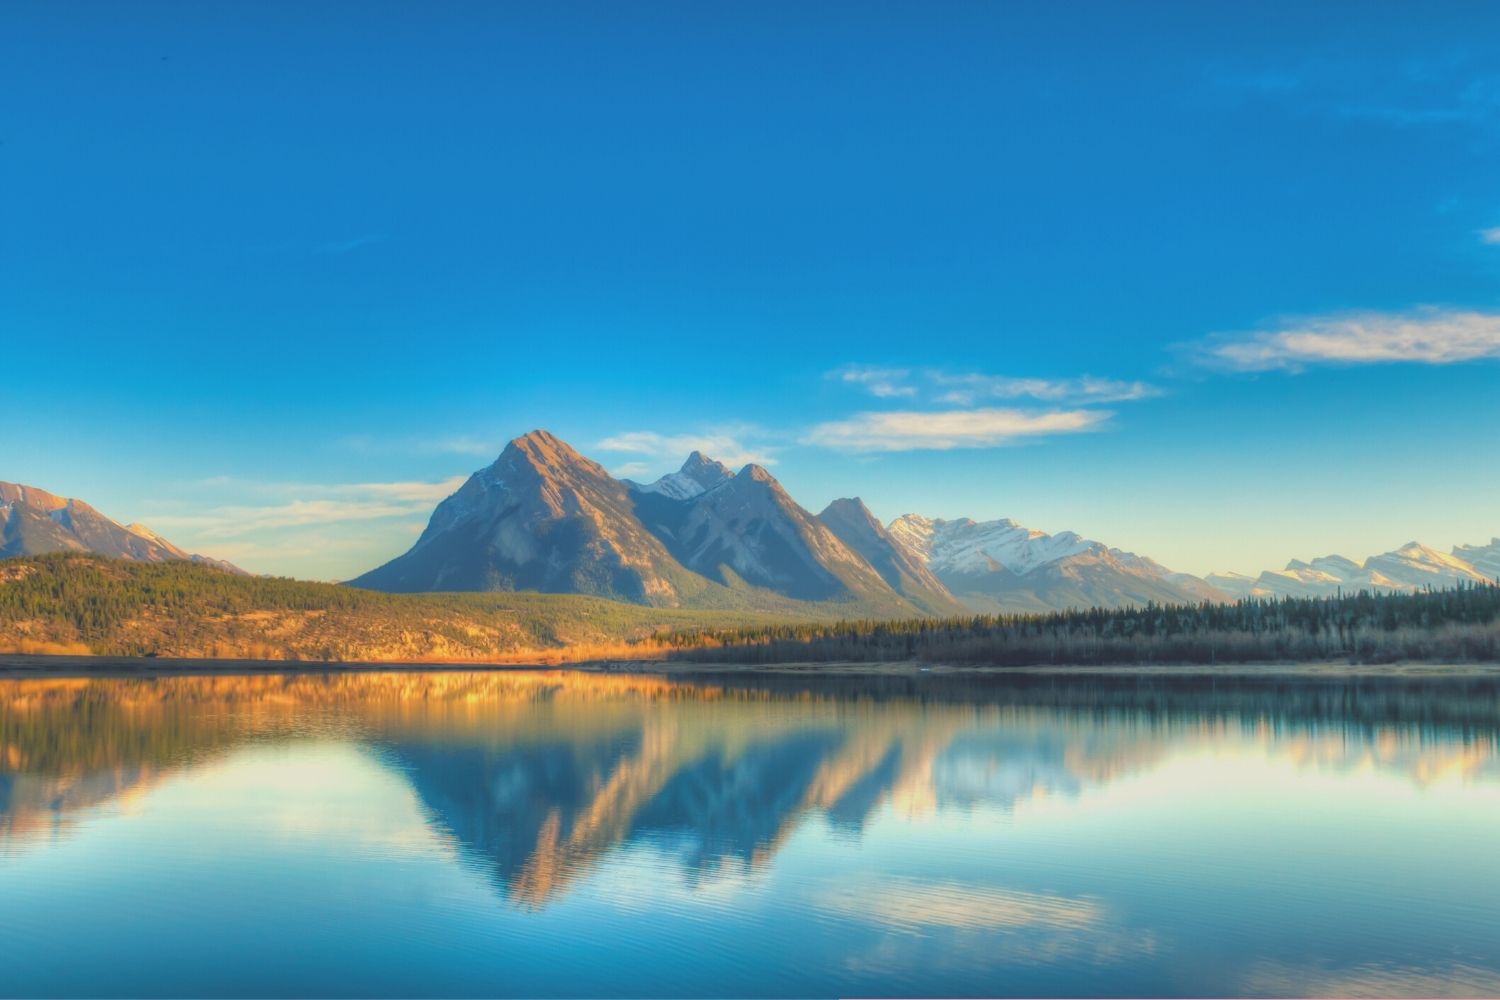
(705, 471)
(542, 517)
(37, 522)
(758, 474)
(547, 455)
(850, 507)
(698, 475)
(544, 446)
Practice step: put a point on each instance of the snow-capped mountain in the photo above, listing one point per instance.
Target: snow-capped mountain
(1411, 567)
(698, 475)
(1484, 558)
(33, 522)
(1003, 566)
(968, 546)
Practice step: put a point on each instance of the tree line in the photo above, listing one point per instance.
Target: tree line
(1460, 624)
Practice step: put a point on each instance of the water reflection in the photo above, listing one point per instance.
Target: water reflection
(556, 833)
(536, 776)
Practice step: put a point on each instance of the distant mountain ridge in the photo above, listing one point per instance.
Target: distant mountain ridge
(1001, 566)
(1412, 567)
(543, 517)
(34, 522)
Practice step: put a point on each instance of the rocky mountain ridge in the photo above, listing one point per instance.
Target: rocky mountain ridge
(1001, 566)
(35, 522)
(545, 518)
(1410, 568)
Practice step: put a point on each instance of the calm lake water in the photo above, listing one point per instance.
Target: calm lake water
(556, 833)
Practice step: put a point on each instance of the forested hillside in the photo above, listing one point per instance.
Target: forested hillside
(82, 604)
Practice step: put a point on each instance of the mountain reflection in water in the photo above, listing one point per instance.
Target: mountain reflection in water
(543, 783)
(536, 775)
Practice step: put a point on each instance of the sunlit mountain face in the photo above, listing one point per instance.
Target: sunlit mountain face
(749, 834)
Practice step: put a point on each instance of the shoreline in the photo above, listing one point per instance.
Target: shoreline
(18, 666)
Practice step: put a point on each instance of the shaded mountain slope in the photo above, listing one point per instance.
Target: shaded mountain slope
(749, 530)
(851, 521)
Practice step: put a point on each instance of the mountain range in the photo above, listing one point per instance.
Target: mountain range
(35, 522)
(1410, 568)
(543, 517)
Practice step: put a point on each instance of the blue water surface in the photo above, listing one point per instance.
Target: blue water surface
(574, 834)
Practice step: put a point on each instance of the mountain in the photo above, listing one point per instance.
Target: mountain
(851, 521)
(545, 518)
(747, 529)
(542, 518)
(698, 475)
(1410, 568)
(1000, 566)
(34, 522)
(1484, 558)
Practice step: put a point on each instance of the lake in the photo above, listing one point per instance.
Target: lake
(555, 833)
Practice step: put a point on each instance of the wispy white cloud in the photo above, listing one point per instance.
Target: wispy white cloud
(414, 491)
(911, 430)
(298, 505)
(234, 520)
(629, 470)
(725, 446)
(966, 389)
(1490, 236)
(882, 383)
(1425, 336)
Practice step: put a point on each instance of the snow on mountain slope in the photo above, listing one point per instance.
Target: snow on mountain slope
(1416, 566)
(968, 546)
(1484, 558)
(1411, 567)
(1003, 566)
(698, 475)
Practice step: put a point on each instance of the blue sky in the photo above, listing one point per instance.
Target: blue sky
(1213, 283)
